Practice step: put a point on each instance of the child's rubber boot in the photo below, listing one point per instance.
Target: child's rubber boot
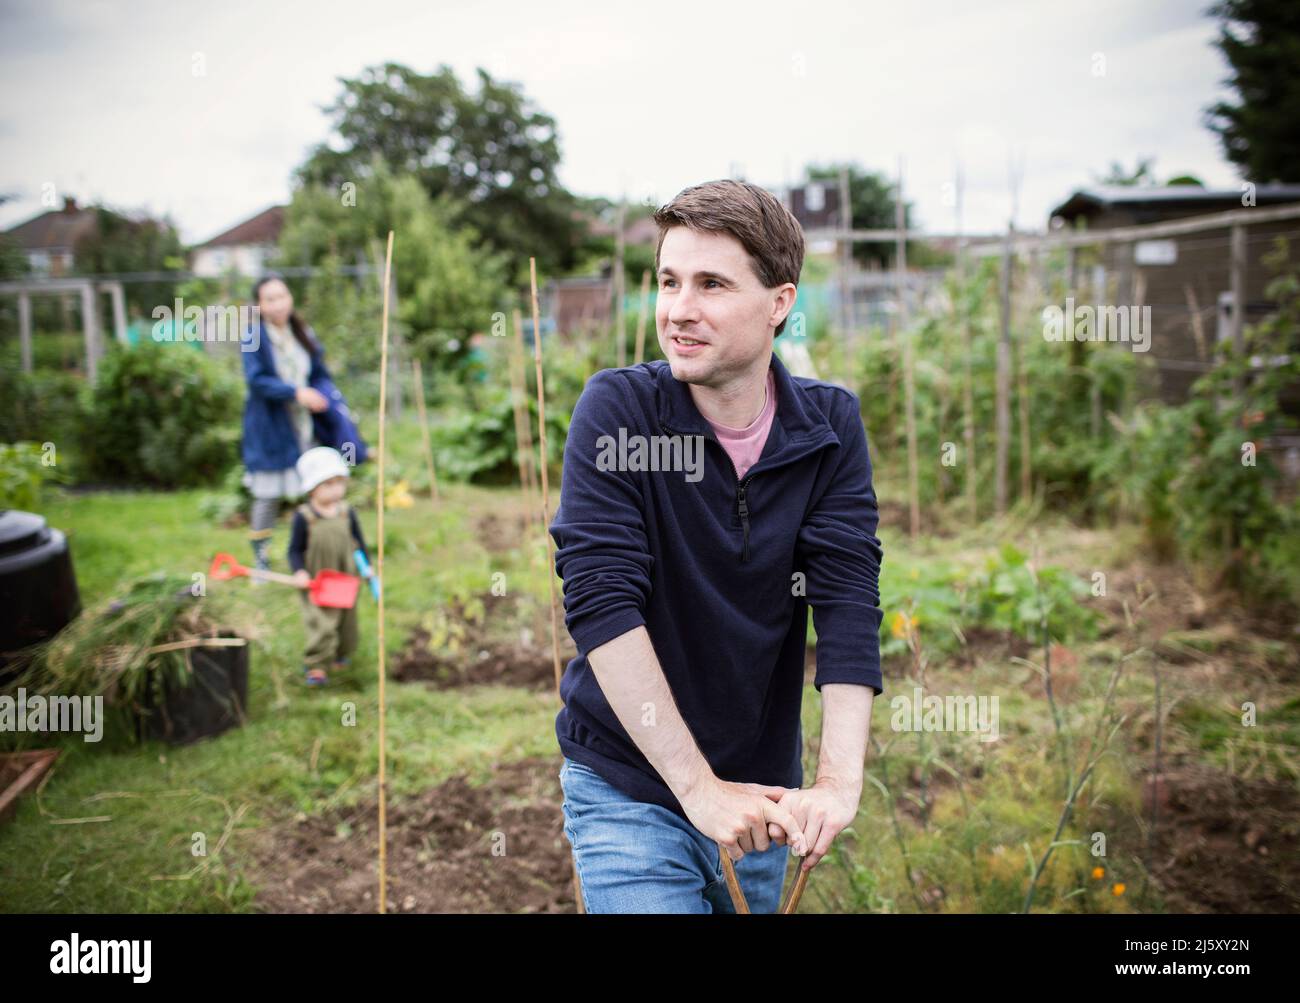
(261, 557)
(314, 676)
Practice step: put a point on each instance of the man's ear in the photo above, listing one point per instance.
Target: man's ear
(788, 290)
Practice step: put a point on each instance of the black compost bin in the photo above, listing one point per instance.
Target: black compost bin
(213, 702)
(38, 589)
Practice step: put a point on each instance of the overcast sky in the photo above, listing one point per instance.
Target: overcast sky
(100, 97)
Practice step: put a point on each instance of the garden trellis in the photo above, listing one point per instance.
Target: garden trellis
(1224, 235)
(87, 290)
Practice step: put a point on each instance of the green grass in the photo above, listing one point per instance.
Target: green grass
(114, 826)
(986, 833)
(156, 798)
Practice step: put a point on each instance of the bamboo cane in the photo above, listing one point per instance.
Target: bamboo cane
(546, 505)
(546, 490)
(641, 318)
(909, 416)
(197, 642)
(379, 570)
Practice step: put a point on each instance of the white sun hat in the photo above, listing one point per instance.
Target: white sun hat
(320, 464)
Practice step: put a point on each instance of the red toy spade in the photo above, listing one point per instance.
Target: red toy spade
(334, 589)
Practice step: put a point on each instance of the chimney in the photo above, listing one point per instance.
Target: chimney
(69, 204)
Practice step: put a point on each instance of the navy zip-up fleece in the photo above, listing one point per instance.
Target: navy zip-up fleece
(720, 571)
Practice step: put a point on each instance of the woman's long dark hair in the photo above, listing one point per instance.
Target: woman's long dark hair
(300, 330)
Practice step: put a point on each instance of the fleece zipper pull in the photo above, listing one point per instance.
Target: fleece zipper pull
(744, 522)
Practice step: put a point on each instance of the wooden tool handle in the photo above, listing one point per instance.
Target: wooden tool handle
(738, 900)
(274, 576)
(733, 885)
(796, 890)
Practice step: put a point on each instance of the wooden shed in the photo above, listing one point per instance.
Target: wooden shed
(1186, 280)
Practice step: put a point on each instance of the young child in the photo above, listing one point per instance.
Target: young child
(325, 532)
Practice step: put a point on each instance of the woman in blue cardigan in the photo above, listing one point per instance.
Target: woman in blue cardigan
(281, 361)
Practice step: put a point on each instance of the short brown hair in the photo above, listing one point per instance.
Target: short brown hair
(753, 215)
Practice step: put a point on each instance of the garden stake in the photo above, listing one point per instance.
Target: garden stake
(546, 518)
(379, 570)
(546, 494)
(641, 318)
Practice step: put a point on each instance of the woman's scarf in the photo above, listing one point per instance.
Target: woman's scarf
(293, 365)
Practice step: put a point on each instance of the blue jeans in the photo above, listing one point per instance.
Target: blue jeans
(636, 857)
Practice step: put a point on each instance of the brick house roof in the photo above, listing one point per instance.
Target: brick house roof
(57, 229)
(264, 228)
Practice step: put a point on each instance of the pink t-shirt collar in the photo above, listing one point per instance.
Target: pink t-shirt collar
(745, 445)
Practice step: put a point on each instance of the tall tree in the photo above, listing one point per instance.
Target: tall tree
(1261, 133)
(492, 150)
(1143, 176)
(449, 284)
(121, 243)
(871, 201)
(1123, 177)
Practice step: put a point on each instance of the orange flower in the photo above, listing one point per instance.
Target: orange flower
(902, 625)
(1118, 889)
(1098, 873)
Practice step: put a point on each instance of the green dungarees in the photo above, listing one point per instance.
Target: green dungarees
(331, 633)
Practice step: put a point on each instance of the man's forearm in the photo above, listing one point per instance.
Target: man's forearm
(633, 682)
(846, 729)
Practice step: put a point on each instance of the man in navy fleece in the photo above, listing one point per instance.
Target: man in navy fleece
(687, 591)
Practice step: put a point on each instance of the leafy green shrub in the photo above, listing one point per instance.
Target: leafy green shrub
(1004, 595)
(1007, 595)
(479, 444)
(1196, 474)
(1134, 473)
(474, 433)
(930, 594)
(1277, 558)
(1225, 494)
(163, 417)
(447, 281)
(24, 473)
(44, 406)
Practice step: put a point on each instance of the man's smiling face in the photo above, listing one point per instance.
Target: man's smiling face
(714, 317)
